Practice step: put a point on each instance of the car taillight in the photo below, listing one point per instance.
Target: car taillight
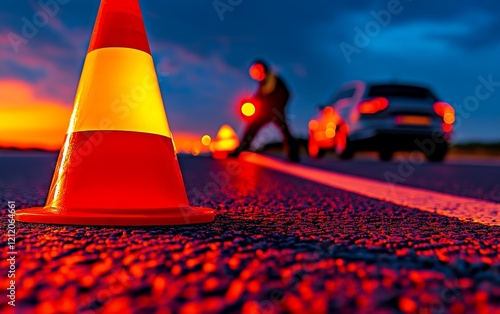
(373, 105)
(313, 125)
(445, 111)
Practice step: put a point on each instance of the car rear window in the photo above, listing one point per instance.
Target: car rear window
(400, 91)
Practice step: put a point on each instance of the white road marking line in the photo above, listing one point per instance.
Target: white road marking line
(464, 208)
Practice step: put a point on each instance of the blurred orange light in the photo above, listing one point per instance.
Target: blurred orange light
(330, 133)
(184, 142)
(248, 109)
(257, 72)
(206, 140)
(313, 124)
(446, 111)
(196, 148)
(226, 141)
(328, 111)
(449, 118)
(225, 132)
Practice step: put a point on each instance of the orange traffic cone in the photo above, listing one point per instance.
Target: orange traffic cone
(225, 143)
(118, 165)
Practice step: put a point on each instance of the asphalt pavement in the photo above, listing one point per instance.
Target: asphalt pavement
(474, 178)
(279, 244)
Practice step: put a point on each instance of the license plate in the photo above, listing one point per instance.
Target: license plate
(413, 120)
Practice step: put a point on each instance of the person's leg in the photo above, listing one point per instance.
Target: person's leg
(291, 144)
(250, 133)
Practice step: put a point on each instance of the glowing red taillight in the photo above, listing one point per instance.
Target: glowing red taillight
(373, 105)
(445, 111)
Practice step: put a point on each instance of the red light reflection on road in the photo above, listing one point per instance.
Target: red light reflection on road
(464, 208)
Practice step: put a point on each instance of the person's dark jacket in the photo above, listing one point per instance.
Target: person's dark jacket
(272, 94)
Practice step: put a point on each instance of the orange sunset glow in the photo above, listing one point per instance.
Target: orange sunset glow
(189, 143)
(27, 121)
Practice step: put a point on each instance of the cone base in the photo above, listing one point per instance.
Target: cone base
(167, 217)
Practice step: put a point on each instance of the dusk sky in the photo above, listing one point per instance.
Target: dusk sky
(202, 57)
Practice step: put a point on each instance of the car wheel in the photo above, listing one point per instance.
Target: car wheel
(439, 153)
(314, 150)
(386, 155)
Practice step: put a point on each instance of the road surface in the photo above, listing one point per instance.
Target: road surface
(279, 244)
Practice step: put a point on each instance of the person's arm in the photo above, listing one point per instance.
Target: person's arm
(268, 85)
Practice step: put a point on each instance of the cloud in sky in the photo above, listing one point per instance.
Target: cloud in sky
(202, 62)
